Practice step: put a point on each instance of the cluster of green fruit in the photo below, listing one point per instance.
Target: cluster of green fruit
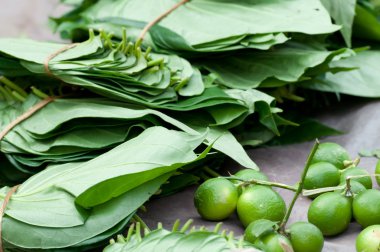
(343, 190)
(332, 211)
(259, 208)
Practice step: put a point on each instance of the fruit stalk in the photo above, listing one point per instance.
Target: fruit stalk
(348, 182)
(322, 190)
(300, 187)
(262, 182)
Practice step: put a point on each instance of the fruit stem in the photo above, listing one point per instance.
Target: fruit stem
(262, 182)
(347, 191)
(347, 186)
(351, 163)
(322, 190)
(300, 187)
(362, 176)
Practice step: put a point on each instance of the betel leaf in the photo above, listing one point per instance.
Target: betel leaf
(157, 81)
(62, 130)
(363, 81)
(366, 25)
(77, 201)
(161, 239)
(226, 143)
(247, 70)
(177, 183)
(370, 153)
(261, 227)
(215, 25)
(307, 130)
(98, 222)
(343, 13)
(108, 68)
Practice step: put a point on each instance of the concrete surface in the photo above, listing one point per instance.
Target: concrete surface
(28, 18)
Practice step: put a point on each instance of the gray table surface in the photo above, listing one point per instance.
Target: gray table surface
(360, 121)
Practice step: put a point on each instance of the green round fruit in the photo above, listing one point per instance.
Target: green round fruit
(249, 174)
(216, 199)
(366, 208)
(331, 213)
(305, 236)
(368, 240)
(354, 171)
(377, 172)
(331, 153)
(274, 242)
(320, 175)
(260, 202)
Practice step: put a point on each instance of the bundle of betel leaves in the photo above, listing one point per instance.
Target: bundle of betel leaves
(152, 94)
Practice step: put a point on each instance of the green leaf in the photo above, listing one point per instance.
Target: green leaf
(343, 13)
(164, 240)
(366, 25)
(262, 226)
(308, 130)
(226, 143)
(78, 201)
(177, 183)
(250, 69)
(216, 25)
(370, 153)
(364, 81)
(99, 221)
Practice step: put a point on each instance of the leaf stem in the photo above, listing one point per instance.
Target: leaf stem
(211, 172)
(204, 176)
(13, 86)
(39, 93)
(142, 223)
(18, 96)
(300, 187)
(6, 94)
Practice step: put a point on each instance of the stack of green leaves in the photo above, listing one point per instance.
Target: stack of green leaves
(64, 130)
(80, 204)
(360, 21)
(106, 68)
(312, 56)
(121, 71)
(202, 26)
